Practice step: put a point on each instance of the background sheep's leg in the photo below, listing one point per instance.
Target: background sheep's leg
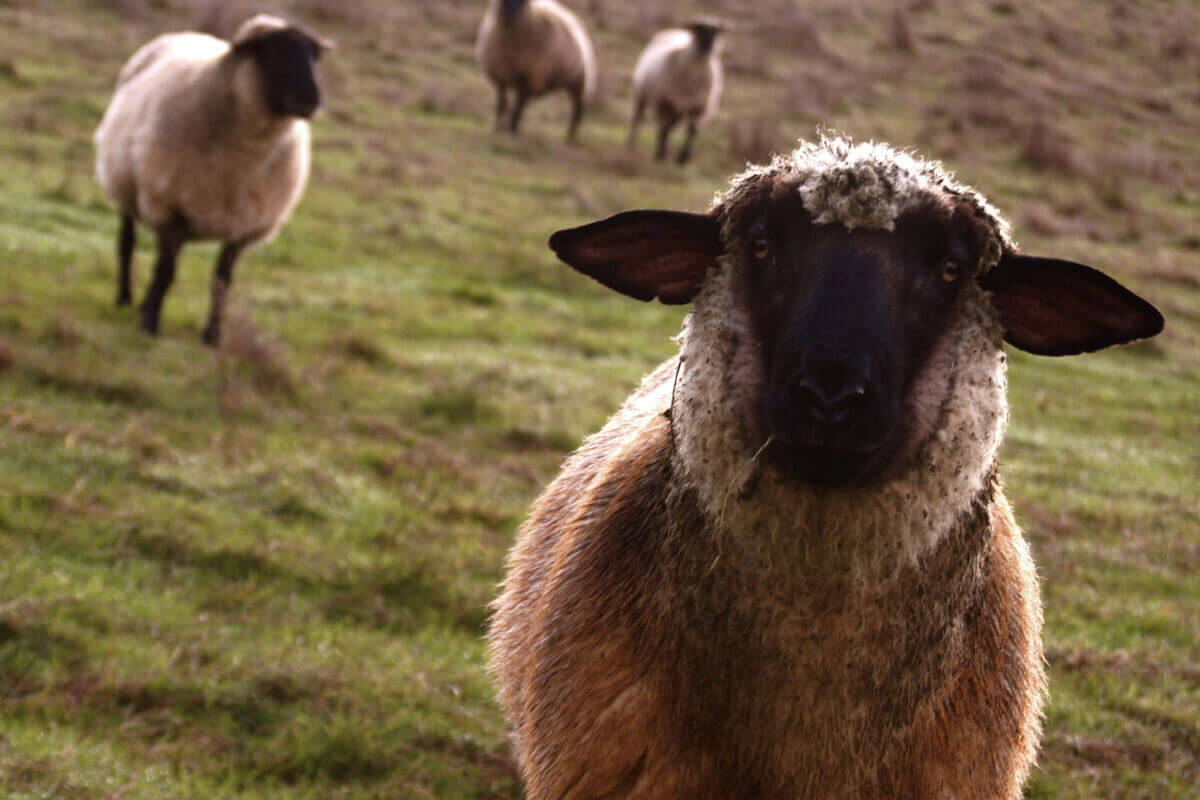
(685, 152)
(170, 240)
(576, 112)
(635, 122)
(518, 109)
(126, 239)
(222, 278)
(665, 126)
(501, 104)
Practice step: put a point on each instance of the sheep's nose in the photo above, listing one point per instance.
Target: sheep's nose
(305, 100)
(829, 390)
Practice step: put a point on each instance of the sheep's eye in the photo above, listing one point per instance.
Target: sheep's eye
(760, 248)
(951, 269)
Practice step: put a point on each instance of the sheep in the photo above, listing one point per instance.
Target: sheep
(786, 567)
(679, 75)
(207, 139)
(535, 47)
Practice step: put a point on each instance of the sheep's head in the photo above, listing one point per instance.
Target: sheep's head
(849, 264)
(285, 58)
(511, 9)
(704, 34)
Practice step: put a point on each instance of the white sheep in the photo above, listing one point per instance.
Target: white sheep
(533, 47)
(679, 76)
(786, 568)
(206, 139)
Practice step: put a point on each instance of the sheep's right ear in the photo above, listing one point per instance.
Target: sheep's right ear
(644, 254)
(1052, 307)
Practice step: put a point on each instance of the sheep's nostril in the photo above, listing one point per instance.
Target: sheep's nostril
(848, 399)
(829, 396)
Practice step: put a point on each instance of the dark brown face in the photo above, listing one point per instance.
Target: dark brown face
(286, 62)
(845, 320)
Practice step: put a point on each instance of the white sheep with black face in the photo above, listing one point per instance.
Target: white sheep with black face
(208, 139)
(679, 77)
(786, 568)
(531, 48)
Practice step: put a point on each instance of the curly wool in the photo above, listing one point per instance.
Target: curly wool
(859, 185)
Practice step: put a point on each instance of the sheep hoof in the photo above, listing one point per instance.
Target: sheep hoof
(211, 336)
(124, 299)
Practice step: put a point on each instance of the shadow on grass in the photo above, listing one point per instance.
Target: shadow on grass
(397, 597)
(89, 388)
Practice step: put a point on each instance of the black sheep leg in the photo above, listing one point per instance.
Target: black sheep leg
(685, 152)
(576, 113)
(501, 104)
(222, 278)
(170, 241)
(635, 122)
(126, 240)
(665, 126)
(522, 98)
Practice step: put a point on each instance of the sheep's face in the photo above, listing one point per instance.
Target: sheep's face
(286, 62)
(849, 270)
(704, 34)
(844, 322)
(510, 9)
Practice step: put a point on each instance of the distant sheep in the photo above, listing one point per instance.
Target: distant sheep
(205, 139)
(533, 47)
(786, 568)
(679, 76)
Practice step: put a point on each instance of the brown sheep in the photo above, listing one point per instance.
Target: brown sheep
(786, 568)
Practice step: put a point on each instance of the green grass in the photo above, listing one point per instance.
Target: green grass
(263, 572)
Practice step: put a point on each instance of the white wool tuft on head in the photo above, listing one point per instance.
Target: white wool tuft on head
(860, 185)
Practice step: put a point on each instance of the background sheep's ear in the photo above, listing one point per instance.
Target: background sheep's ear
(644, 254)
(1052, 307)
(320, 44)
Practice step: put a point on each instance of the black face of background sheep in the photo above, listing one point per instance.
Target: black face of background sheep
(705, 34)
(287, 63)
(510, 8)
(846, 318)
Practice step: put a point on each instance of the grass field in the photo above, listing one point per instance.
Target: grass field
(263, 571)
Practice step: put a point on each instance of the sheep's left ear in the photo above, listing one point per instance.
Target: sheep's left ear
(644, 254)
(1052, 307)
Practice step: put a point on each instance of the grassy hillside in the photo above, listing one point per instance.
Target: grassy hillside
(262, 571)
